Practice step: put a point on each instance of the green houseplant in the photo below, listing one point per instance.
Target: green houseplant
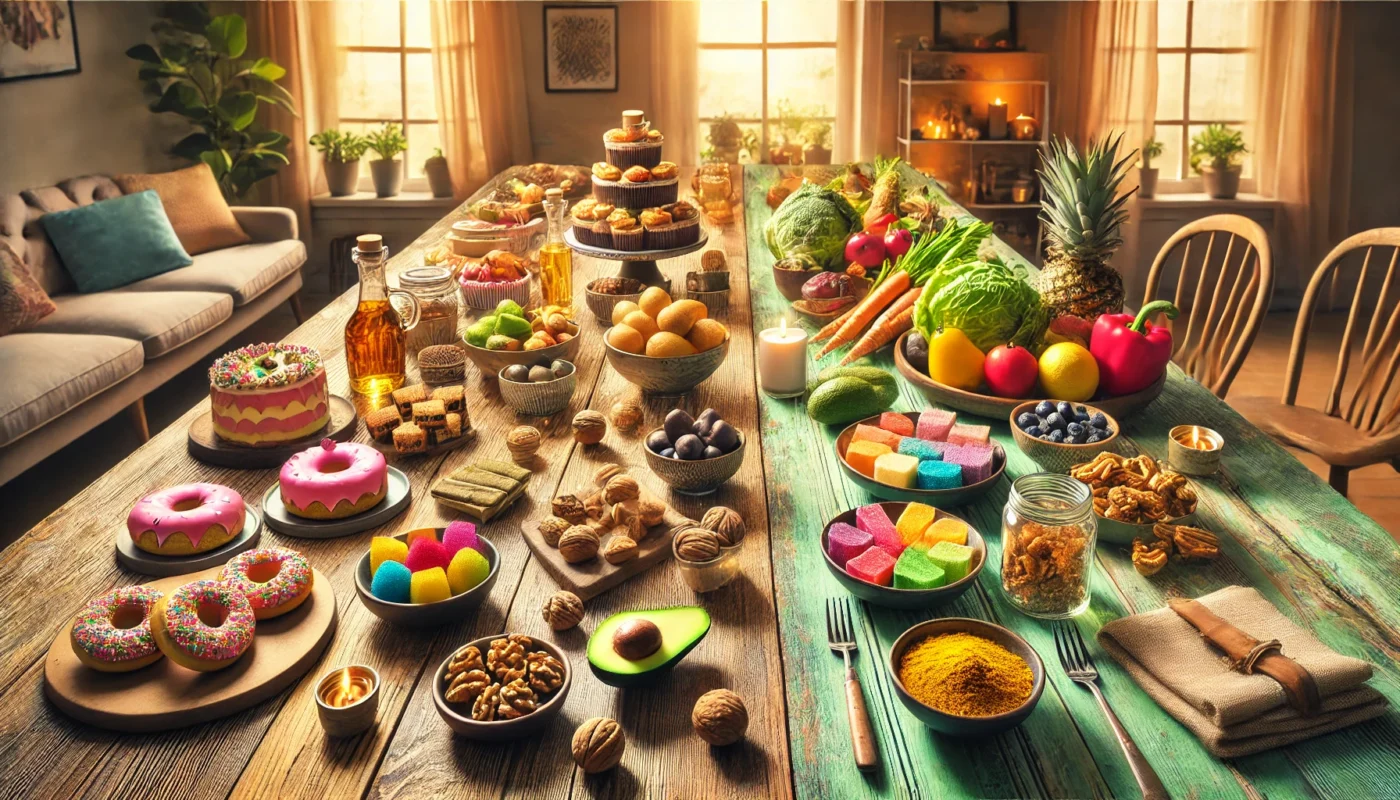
(439, 178)
(387, 170)
(816, 140)
(342, 152)
(791, 121)
(196, 69)
(1147, 174)
(1215, 154)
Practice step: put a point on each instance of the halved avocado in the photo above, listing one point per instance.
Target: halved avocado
(682, 627)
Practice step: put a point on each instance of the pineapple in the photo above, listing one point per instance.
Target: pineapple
(1081, 211)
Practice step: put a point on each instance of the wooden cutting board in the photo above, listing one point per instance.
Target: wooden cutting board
(595, 576)
(165, 695)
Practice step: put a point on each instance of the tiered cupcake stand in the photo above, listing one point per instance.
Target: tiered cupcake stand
(638, 264)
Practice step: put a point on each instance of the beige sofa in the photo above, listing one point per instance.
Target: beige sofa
(101, 353)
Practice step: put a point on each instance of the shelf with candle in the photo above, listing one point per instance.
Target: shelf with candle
(996, 119)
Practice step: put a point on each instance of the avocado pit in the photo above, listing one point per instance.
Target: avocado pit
(637, 638)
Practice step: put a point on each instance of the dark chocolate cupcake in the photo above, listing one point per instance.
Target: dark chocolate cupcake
(628, 194)
(644, 153)
(666, 229)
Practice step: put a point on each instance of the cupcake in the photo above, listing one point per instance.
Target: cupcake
(627, 233)
(635, 144)
(636, 188)
(671, 226)
(585, 215)
(501, 275)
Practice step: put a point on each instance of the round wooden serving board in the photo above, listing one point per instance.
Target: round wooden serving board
(210, 449)
(165, 695)
(138, 560)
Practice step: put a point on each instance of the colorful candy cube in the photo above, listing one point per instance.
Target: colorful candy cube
(430, 586)
(392, 583)
(946, 529)
(467, 570)
(861, 456)
(871, 433)
(425, 554)
(385, 548)
(873, 520)
(420, 533)
(913, 570)
(975, 460)
(920, 449)
(914, 521)
(873, 566)
(934, 424)
(897, 423)
(954, 559)
(969, 434)
(893, 469)
(461, 534)
(939, 475)
(844, 542)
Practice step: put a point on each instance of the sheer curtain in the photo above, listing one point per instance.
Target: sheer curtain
(1122, 72)
(860, 51)
(673, 104)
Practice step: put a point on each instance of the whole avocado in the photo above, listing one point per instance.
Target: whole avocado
(841, 395)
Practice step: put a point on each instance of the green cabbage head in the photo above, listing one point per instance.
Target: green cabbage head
(812, 224)
(986, 301)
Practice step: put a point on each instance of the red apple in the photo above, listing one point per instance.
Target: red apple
(1011, 371)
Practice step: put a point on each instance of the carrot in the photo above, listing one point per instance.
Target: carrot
(834, 325)
(896, 319)
(865, 310)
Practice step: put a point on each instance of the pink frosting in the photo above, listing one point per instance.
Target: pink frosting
(218, 505)
(355, 470)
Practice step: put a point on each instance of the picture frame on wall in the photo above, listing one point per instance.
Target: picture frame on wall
(38, 39)
(973, 26)
(580, 47)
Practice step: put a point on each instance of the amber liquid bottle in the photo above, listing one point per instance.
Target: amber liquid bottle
(556, 257)
(375, 336)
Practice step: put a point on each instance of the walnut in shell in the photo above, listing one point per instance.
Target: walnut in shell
(579, 543)
(720, 717)
(598, 744)
(621, 488)
(605, 473)
(651, 510)
(563, 610)
(697, 544)
(551, 528)
(589, 427)
(727, 525)
(620, 549)
(570, 508)
(523, 442)
(626, 415)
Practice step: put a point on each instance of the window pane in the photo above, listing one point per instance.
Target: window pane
(421, 141)
(422, 100)
(1169, 162)
(1171, 23)
(1218, 86)
(418, 23)
(801, 20)
(369, 86)
(731, 21)
(1221, 23)
(805, 78)
(730, 83)
(1171, 85)
(367, 22)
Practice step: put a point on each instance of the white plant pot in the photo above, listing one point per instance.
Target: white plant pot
(1147, 182)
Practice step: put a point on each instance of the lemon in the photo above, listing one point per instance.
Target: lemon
(953, 360)
(1068, 371)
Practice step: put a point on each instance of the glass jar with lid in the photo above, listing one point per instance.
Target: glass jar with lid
(1047, 547)
(439, 306)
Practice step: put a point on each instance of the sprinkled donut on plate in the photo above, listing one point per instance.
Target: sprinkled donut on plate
(204, 626)
(113, 632)
(274, 580)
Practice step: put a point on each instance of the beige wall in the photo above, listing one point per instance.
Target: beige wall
(94, 121)
(1375, 160)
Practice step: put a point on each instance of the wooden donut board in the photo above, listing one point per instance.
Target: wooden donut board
(204, 446)
(165, 695)
(595, 576)
(396, 499)
(139, 561)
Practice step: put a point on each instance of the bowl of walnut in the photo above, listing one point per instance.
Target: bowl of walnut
(502, 687)
(604, 293)
(1132, 495)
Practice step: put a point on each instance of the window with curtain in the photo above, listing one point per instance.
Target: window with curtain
(386, 75)
(1203, 51)
(769, 67)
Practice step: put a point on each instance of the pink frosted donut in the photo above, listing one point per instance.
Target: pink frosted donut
(204, 626)
(334, 480)
(186, 519)
(275, 580)
(113, 632)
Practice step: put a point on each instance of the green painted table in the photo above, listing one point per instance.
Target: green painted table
(1284, 531)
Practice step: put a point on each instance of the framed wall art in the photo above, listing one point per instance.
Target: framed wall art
(580, 47)
(37, 39)
(974, 25)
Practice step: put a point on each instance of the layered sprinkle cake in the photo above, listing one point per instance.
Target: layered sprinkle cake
(635, 202)
(266, 394)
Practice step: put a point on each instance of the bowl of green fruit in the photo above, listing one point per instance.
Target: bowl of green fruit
(541, 389)
(509, 336)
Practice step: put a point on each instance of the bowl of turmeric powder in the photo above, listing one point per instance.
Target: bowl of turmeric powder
(966, 677)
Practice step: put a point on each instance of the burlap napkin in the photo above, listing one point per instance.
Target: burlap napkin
(1234, 714)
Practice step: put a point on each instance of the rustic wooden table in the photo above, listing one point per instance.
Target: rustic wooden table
(1305, 547)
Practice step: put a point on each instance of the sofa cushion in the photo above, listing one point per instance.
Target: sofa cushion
(115, 242)
(245, 271)
(197, 209)
(20, 226)
(55, 372)
(160, 321)
(23, 302)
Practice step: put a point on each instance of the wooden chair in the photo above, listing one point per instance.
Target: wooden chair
(1362, 430)
(1212, 335)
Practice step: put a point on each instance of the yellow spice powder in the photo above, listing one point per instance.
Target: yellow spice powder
(965, 675)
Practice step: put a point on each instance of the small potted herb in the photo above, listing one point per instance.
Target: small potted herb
(342, 152)
(1147, 174)
(791, 120)
(725, 138)
(816, 138)
(439, 178)
(1215, 154)
(387, 170)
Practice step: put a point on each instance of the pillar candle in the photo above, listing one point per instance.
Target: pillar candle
(996, 120)
(782, 360)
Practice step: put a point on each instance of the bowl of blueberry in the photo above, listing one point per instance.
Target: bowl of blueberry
(1060, 435)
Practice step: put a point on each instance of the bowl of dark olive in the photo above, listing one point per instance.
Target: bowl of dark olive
(695, 455)
(540, 389)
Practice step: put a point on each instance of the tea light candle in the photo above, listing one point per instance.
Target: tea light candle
(1194, 450)
(347, 700)
(1025, 128)
(782, 360)
(996, 119)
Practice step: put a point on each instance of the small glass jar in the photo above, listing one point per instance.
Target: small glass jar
(439, 306)
(707, 576)
(1048, 531)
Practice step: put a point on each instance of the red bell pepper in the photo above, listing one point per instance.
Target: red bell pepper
(1131, 352)
(881, 224)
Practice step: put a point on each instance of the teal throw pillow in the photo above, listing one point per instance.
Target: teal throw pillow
(114, 242)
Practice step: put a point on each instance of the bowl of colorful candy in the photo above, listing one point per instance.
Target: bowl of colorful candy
(920, 457)
(428, 576)
(1061, 435)
(903, 555)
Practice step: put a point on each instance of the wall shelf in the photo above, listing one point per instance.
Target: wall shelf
(907, 142)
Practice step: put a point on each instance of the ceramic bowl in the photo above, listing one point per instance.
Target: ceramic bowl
(458, 715)
(671, 375)
(790, 281)
(942, 498)
(949, 724)
(602, 304)
(542, 399)
(491, 362)
(427, 615)
(696, 477)
(1056, 457)
(890, 597)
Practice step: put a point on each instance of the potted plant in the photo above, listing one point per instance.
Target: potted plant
(790, 123)
(387, 170)
(341, 152)
(1147, 174)
(439, 179)
(1215, 154)
(816, 138)
(724, 138)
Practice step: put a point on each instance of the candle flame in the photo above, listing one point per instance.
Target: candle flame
(782, 325)
(997, 102)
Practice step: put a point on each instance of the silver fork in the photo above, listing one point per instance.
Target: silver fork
(1079, 667)
(840, 634)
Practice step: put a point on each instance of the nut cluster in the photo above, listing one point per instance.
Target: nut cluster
(577, 527)
(720, 717)
(510, 681)
(1135, 490)
(1191, 544)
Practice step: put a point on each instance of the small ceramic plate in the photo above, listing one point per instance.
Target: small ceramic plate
(284, 522)
(138, 560)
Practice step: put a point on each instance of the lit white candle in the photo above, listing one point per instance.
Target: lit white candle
(782, 360)
(996, 119)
